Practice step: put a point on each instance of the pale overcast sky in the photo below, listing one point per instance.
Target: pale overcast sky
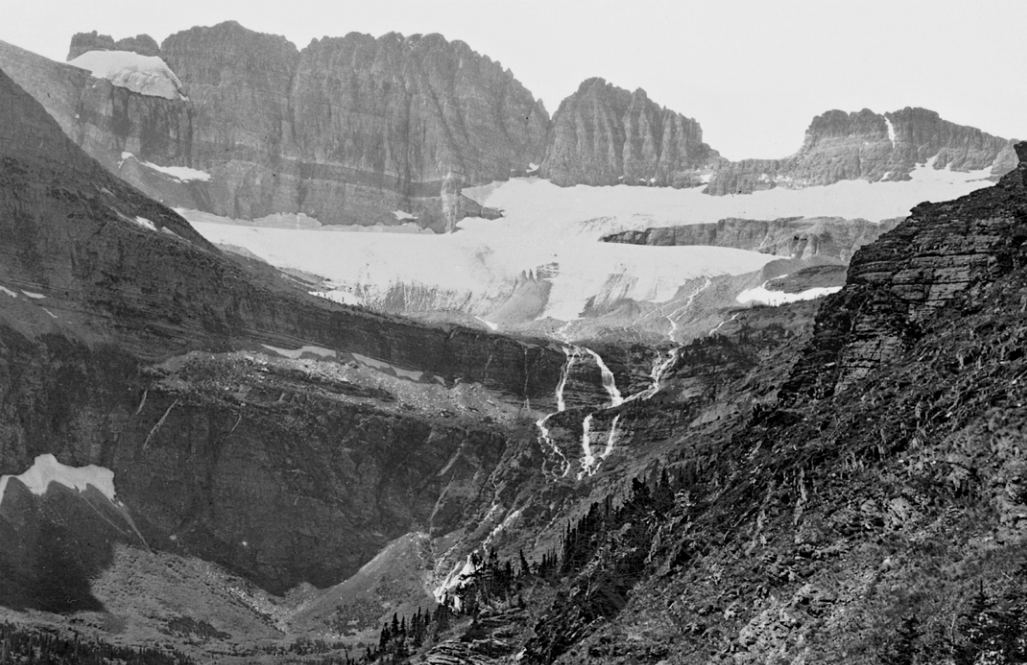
(753, 73)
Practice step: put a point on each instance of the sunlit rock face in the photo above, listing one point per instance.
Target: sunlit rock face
(942, 252)
(352, 128)
(870, 146)
(605, 135)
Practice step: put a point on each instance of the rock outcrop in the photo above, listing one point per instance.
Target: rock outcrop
(605, 135)
(869, 146)
(806, 238)
(129, 342)
(83, 42)
(349, 130)
(941, 253)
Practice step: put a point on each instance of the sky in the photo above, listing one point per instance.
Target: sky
(753, 73)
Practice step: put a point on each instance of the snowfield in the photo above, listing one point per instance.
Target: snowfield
(147, 75)
(180, 173)
(46, 469)
(762, 295)
(550, 235)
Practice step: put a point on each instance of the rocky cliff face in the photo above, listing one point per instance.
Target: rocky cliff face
(806, 238)
(84, 42)
(941, 252)
(605, 135)
(869, 146)
(107, 121)
(130, 342)
(351, 130)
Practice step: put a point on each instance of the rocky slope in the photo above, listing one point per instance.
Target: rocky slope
(131, 343)
(869, 146)
(605, 135)
(825, 238)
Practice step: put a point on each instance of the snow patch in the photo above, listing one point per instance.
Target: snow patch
(295, 354)
(180, 173)
(492, 326)
(891, 131)
(34, 296)
(146, 224)
(555, 231)
(9, 292)
(147, 75)
(341, 296)
(382, 365)
(760, 294)
(532, 167)
(401, 215)
(46, 469)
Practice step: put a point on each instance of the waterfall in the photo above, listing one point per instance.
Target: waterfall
(611, 439)
(609, 382)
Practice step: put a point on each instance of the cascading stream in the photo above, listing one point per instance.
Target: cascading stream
(561, 406)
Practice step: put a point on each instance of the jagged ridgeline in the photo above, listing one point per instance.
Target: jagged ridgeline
(201, 459)
(389, 130)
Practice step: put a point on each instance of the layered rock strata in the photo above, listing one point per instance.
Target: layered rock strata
(941, 253)
(832, 238)
(83, 42)
(129, 342)
(605, 135)
(350, 130)
(869, 146)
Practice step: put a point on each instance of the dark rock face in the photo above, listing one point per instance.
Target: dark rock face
(604, 135)
(222, 450)
(412, 118)
(347, 130)
(794, 237)
(83, 42)
(941, 253)
(106, 121)
(869, 146)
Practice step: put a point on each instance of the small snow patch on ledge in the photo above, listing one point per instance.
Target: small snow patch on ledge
(760, 294)
(296, 354)
(46, 469)
(9, 292)
(401, 215)
(146, 224)
(34, 296)
(147, 75)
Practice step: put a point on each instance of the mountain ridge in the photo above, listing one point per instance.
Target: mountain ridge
(348, 131)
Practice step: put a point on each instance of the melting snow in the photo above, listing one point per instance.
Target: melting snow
(181, 173)
(382, 365)
(46, 469)
(147, 75)
(555, 231)
(145, 223)
(761, 295)
(298, 353)
(891, 131)
(341, 296)
(492, 326)
(8, 292)
(34, 296)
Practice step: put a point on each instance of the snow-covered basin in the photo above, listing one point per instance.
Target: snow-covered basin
(558, 229)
